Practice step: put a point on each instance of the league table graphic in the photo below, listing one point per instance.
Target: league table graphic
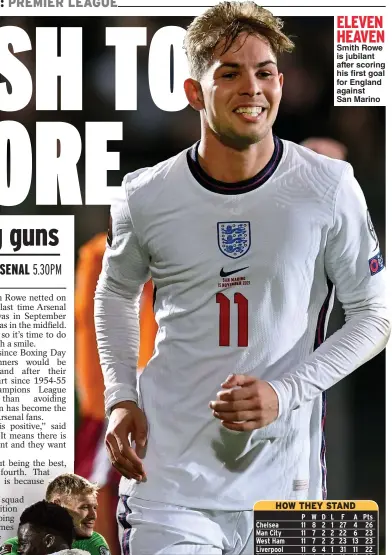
(316, 527)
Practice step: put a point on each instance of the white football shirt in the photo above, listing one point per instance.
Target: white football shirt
(244, 276)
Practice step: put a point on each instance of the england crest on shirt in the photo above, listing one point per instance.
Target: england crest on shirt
(234, 238)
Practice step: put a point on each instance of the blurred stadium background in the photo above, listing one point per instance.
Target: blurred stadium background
(355, 424)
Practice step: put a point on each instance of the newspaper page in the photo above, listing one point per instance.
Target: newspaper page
(91, 90)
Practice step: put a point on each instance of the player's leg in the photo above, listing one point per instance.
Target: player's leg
(239, 532)
(147, 527)
(248, 548)
(245, 531)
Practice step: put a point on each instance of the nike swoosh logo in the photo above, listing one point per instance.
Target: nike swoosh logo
(227, 274)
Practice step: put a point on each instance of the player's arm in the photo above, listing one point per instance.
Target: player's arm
(353, 262)
(351, 259)
(124, 271)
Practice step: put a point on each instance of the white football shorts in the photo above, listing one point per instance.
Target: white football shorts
(152, 528)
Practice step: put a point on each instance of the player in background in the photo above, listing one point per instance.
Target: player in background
(90, 453)
(246, 237)
(327, 147)
(79, 497)
(44, 528)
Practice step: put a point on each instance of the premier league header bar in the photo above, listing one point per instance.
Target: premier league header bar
(173, 8)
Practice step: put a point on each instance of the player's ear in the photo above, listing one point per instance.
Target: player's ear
(194, 94)
(281, 80)
(56, 500)
(49, 540)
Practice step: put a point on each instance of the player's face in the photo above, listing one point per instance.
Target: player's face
(83, 509)
(242, 90)
(31, 542)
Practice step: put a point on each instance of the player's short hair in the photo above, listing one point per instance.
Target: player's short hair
(50, 518)
(70, 485)
(224, 22)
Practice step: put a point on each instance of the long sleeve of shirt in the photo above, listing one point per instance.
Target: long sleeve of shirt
(355, 266)
(124, 272)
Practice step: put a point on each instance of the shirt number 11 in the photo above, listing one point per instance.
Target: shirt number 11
(224, 319)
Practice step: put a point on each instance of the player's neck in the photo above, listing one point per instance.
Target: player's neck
(230, 165)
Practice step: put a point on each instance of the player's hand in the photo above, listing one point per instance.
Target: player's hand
(245, 403)
(126, 418)
(6, 548)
